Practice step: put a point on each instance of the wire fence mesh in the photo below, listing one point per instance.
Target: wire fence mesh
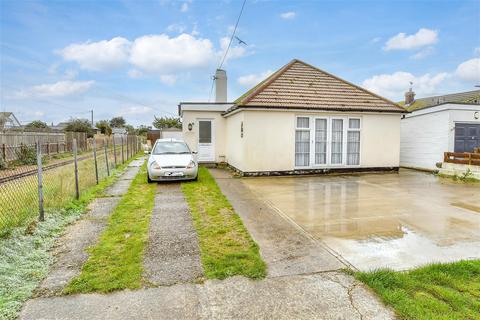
(19, 179)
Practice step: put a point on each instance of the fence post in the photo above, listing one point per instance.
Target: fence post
(41, 212)
(4, 152)
(94, 146)
(106, 156)
(114, 151)
(123, 157)
(74, 147)
(127, 147)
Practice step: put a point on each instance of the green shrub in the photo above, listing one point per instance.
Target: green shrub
(26, 155)
(3, 163)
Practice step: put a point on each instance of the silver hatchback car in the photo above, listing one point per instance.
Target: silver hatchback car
(171, 159)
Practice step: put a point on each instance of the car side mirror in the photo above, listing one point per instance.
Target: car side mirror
(194, 152)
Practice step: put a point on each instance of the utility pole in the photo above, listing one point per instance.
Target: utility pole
(91, 111)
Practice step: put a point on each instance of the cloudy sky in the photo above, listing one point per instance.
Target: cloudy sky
(60, 59)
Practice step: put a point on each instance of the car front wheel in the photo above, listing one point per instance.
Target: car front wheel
(148, 179)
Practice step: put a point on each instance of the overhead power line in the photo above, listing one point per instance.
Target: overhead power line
(228, 48)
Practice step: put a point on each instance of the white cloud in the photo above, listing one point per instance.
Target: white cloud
(168, 79)
(250, 80)
(402, 41)
(57, 89)
(176, 27)
(234, 51)
(288, 15)
(469, 70)
(70, 74)
(134, 73)
(164, 55)
(101, 55)
(428, 51)
(195, 31)
(136, 110)
(184, 7)
(394, 85)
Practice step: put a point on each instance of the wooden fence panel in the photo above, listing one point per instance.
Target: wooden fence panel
(462, 158)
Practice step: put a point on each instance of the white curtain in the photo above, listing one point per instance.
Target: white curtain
(303, 122)
(337, 141)
(320, 141)
(353, 148)
(302, 148)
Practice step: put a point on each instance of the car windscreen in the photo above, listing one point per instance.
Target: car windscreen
(171, 147)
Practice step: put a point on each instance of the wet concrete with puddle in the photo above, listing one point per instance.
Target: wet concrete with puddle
(398, 221)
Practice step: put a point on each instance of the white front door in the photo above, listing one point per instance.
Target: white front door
(206, 148)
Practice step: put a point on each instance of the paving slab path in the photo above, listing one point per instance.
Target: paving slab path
(70, 251)
(331, 295)
(172, 254)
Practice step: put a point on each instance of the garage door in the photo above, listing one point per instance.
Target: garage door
(467, 137)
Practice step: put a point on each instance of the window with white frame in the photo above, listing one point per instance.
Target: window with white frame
(337, 141)
(321, 140)
(327, 141)
(353, 141)
(302, 142)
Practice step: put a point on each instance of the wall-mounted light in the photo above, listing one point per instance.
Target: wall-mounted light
(241, 129)
(190, 126)
(476, 115)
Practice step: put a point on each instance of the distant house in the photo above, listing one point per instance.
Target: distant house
(448, 123)
(299, 120)
(119, 131)
(60, 126)
(9, 121)
(164, 133)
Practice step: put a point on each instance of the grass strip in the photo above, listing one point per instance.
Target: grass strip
(225, 244)
(116, 261)
(438, 291)
(25, 252)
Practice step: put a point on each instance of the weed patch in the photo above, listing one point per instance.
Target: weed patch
(225, 244)
(116, 261)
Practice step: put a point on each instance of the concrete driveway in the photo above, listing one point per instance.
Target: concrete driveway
(398, 221)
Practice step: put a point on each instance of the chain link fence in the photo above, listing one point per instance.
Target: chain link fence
(35, 181)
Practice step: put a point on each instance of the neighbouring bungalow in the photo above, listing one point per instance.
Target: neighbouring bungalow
(435, 125)
(299, 120)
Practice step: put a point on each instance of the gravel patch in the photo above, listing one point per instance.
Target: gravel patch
(172, 254)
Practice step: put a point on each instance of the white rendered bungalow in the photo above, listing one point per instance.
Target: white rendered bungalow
(299, 120)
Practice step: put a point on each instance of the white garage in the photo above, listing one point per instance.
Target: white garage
(428, 132)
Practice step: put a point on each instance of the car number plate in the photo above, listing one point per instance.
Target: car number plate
(174, 174)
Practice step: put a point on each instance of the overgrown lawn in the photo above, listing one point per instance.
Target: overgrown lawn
(439, 291)
(116, 261)
(227, 248)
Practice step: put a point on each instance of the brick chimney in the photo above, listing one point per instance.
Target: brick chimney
(409, 97)
(220, 86)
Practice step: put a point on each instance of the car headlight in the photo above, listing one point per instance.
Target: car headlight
(191, 164)
(155, 165)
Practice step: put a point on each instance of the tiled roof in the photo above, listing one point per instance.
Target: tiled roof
(472, 97)
(299, 85)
